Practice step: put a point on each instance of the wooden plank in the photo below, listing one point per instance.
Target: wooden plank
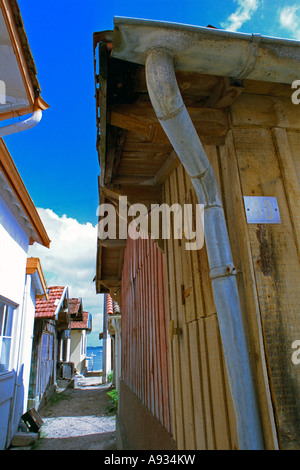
(197, 387)
(277, 274)
(141, 118)
(225, 93)
(187, 274)
(217, 381)
(110, 243)
(166, 169)
(115, 140)
(157, 313)
(177, 402)
(165, 370)
(151, 353)
(267, 111)
(241, 249)
(153, 313)
(267, 88)
(206, 386)
(183, 339)
(290, 180)
(294, 141)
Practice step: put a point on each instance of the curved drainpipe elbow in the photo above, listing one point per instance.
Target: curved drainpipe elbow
(176, 122)
(22, 125)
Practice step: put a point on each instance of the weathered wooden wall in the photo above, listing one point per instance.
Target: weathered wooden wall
(260, 158)
(266, 141)
(43, 374)
(144, 336)
(202, 407)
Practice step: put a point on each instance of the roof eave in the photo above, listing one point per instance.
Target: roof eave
(209, 50)
(34, 268)
(16, 183)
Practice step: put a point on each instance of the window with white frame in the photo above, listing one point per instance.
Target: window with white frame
(7, 311)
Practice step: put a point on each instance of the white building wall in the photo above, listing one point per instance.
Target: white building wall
(13, 257)
(27, 337)
(108, 354)
(14, 244)
(77, 356)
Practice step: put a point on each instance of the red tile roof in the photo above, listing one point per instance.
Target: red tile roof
(81, 324)
(109, 303)
(47, 308)
(112, 306)
(74, 305)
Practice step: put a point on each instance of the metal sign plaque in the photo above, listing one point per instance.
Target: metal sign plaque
(262, 210)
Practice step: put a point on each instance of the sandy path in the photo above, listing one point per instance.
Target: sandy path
(78, 419)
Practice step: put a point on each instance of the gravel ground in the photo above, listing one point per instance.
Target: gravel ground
(77, 418)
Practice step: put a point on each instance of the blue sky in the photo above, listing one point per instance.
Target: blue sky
(57, 159)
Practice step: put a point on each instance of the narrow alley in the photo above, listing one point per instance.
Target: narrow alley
(77, 418)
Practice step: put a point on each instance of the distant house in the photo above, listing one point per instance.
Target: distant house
(107, 360)
(20, 91)
(21, 280)
(20, 225)
(51, 344)
(81, 325)
(112, 344)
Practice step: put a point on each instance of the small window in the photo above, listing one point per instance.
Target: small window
(6, 326)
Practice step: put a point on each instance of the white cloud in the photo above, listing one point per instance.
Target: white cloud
(244, 12)
(289, 18)
(71, 260)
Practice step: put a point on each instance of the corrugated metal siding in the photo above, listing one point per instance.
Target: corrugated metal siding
(144, 332)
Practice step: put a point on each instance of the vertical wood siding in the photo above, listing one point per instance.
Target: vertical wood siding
(144, 329)
(260, 158)
(203, 416)
(275, 257)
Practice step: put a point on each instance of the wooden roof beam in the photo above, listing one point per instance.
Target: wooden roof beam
(225, 93)
(140, 118)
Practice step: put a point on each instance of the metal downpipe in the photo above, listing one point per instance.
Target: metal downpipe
(175, 120)
(20, 126)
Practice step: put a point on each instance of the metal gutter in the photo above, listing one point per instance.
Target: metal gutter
(176, 122)
(20, 126)
(208, 50)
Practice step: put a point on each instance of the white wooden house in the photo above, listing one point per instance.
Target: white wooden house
(20, 283)
(20, 225)
(81, 325)
(51, 345)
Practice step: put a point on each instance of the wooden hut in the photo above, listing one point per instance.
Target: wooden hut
(177, 388)
(51, 345)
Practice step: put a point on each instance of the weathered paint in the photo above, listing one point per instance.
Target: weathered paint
(144, 331)
(203, 416)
